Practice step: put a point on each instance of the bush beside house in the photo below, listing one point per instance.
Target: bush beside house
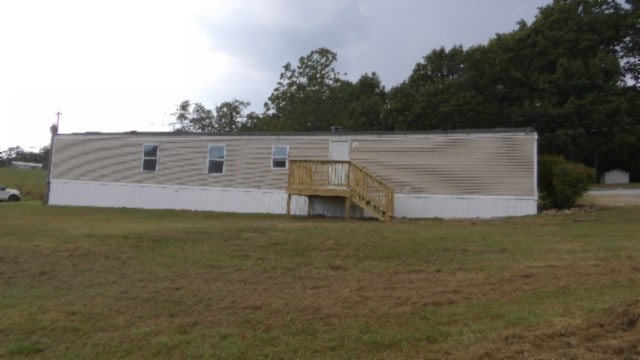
(561, 182)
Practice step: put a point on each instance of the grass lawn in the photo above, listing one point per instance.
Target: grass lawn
(114, 283)
(30, 182)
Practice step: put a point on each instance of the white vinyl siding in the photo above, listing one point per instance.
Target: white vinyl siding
(150, 157)
(215, 163)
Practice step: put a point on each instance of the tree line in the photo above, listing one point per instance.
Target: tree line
(17, 153)
(573, 75)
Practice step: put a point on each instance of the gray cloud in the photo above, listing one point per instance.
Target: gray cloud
(388, 37)
(288, 30)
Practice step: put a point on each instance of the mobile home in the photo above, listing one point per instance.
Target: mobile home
(419, 175)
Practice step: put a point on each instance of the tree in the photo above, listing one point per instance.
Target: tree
(570, 67)
(193, 118)
(11, 153)
(435, 96)
(227, 118)
(630, 49)
(302, 99)
(253, 122)
(17, 153)
(229, 115)
(359, 105)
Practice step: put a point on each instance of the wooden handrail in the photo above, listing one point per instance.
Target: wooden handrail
(369, 188)
(318, 174)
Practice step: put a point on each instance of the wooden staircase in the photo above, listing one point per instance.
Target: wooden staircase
(344, 179)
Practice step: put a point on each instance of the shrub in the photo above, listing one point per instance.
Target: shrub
(561, 182)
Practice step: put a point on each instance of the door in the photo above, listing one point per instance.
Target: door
(338, 150)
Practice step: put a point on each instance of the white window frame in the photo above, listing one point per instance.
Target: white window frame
(144, 157)
(286, 160)
(224, 158)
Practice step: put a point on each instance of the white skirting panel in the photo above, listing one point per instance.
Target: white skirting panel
(461, 207)
(82, 193)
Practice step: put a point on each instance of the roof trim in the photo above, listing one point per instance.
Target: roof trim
(528, 131)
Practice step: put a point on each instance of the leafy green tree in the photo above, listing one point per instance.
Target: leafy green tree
(17, 153)
(229, 116)
(253, 122)
(631, 44)
(572, 72)
(194, 118)
(435, 96)
(302, 99)
(360, 104)
(12, 152)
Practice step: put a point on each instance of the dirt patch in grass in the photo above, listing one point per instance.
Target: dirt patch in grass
(613, 334)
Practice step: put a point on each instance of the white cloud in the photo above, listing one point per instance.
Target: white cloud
(107, 66)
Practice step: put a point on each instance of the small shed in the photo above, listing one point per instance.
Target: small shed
(615, 176)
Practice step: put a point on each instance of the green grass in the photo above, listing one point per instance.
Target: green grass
(30, 182)
(122, 283)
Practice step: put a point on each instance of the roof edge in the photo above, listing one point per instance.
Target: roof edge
(526, 130)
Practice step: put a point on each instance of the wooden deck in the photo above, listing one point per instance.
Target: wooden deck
(342, 179)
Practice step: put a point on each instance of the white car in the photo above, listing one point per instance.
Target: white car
(9, 194)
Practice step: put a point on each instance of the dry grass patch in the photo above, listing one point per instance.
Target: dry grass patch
(611, 200)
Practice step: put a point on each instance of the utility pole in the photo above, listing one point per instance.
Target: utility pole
(54, 131)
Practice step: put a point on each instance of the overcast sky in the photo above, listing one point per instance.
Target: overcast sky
(125, 65)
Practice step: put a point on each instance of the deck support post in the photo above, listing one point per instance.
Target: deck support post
(309, 205)
(288, 204)
(347, 206)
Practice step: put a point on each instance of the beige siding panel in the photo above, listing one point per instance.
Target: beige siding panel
(182, 160)
(460, 164)
(465, 165)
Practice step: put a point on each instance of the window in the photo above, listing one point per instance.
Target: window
(149, 157)
(216, 159)
(279, 156)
